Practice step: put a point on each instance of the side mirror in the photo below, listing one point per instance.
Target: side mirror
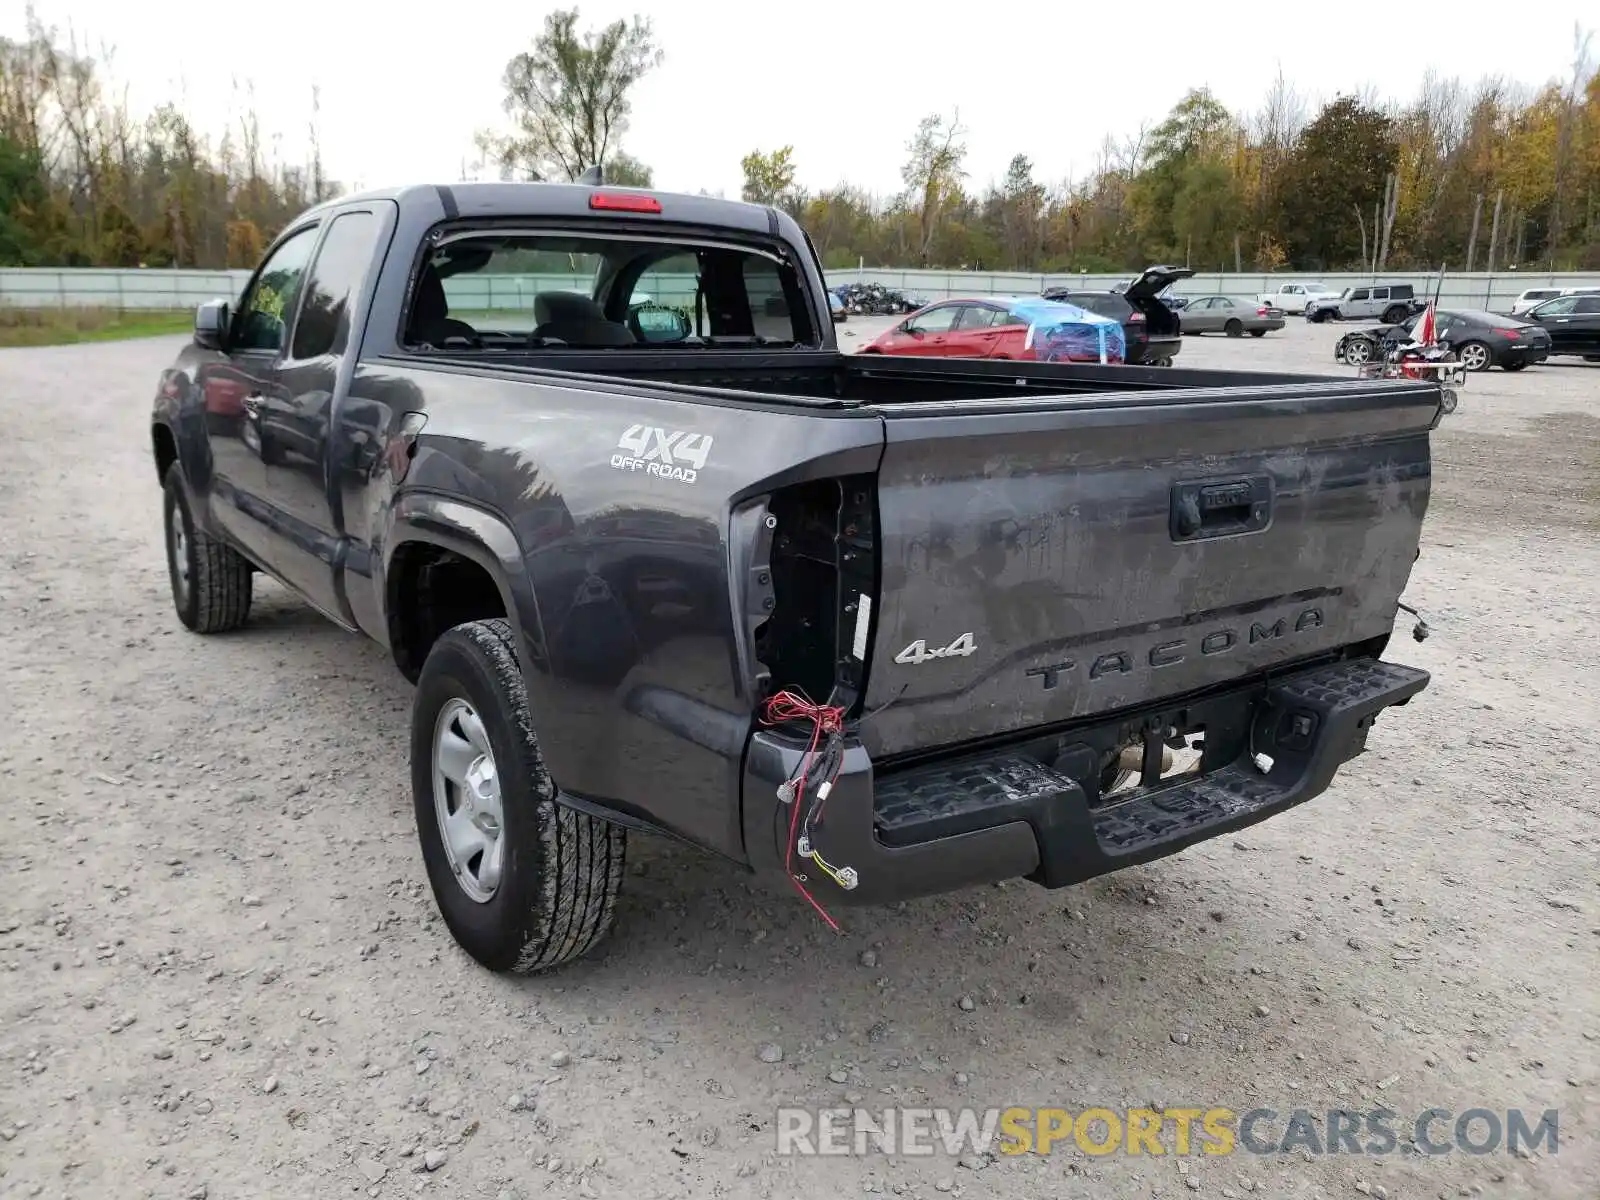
(659, 324)
(211, 324)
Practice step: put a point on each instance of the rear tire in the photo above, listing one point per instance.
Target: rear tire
(1258, 333)
(551, 896)
(1517, 365)
(1234, 327)
(1475, 356)
(211, 581)
(1393, 316)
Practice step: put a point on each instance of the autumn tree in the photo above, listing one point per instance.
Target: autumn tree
(568, 97)
(624, 170)
(932, 173)
(1333, 182)
(767, 177)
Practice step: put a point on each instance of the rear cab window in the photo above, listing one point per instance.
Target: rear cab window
(549, 290)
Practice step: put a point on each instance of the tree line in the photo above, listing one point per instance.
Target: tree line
(1489, 175)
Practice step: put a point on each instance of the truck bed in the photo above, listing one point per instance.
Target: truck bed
(835, 378)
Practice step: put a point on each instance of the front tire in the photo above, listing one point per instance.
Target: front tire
(211, 581)
(524, 883)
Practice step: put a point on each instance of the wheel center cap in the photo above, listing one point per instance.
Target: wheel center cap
(482, 788)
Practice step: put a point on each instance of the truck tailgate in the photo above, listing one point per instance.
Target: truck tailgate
(1048, 558)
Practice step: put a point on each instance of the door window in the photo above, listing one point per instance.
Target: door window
(341, 266)
(976, 316)
(268, 306)
(1588, 305)
(1359, 294)
(1558, 307)
(1380, 293)
(935, 320)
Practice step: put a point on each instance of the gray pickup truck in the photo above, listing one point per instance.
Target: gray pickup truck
(658, 556)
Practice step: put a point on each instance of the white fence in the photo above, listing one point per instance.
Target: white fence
(178, 289)
(1461, 290)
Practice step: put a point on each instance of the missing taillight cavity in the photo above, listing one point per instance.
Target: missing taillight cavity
(824, 575)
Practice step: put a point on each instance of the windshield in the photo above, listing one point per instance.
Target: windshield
(554, 290)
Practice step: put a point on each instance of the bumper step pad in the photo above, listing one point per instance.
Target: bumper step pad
(1308, 724)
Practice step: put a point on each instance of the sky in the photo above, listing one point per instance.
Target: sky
(402, 93)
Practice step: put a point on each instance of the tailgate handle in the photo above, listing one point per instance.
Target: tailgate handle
(1206, 508)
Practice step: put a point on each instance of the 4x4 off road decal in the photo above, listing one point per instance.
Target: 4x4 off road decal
(666, 453)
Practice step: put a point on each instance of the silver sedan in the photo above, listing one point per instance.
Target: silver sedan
(1223, 314)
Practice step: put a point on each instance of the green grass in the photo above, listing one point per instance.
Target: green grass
(63, 326)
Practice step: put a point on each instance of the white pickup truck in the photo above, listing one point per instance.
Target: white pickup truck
(1293, 297)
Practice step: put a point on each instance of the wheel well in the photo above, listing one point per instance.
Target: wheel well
(166, 449)
(431, 590)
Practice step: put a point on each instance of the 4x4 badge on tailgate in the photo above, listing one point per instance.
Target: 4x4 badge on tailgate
(918, 651)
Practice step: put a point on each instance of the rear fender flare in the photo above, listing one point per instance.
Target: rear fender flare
(481, 536)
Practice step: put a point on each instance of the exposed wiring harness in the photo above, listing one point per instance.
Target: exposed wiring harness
(806, 790)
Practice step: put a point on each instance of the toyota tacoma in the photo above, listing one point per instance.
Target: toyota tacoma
(657, 556)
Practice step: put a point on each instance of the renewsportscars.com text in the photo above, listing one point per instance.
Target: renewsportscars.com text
(1180, 1131)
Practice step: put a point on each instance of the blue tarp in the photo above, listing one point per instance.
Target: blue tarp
(1060, 332)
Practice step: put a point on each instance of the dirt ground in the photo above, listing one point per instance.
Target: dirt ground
(221, 973)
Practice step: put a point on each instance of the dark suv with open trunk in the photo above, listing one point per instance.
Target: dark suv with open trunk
(1152, 330)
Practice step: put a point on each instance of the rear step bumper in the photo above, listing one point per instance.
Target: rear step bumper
(1006, 814)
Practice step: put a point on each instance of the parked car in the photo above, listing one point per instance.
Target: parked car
(1004, 327)
(1223, 314)
(1479, 339)
(1389, 302)
(1153, 331)
(840, 312)
(1573, 323)
(699, 587)
(1535, 296)
(1293, 297)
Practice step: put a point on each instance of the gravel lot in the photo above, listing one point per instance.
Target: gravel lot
(221, 974)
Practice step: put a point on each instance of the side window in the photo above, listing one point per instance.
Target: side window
(1380, 293)
(1222, 302)
(1557, 307)
(977, 316)
(1588, 304)
(1359, 294)
(935, 320)
(769, 307)
(341, 266)
(1008, 318)
(1294, 289)
(268, 306)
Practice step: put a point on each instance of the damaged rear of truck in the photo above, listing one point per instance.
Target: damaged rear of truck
(871, 628)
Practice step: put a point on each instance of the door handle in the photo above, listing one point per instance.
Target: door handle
(1206, 508)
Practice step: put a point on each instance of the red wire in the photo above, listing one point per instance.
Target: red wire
(825, 719)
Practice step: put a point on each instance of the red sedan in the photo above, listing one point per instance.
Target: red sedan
(1021, 327)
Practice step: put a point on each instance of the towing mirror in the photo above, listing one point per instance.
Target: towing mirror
(211, 324)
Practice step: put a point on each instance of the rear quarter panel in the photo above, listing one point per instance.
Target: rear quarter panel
(623, 503)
